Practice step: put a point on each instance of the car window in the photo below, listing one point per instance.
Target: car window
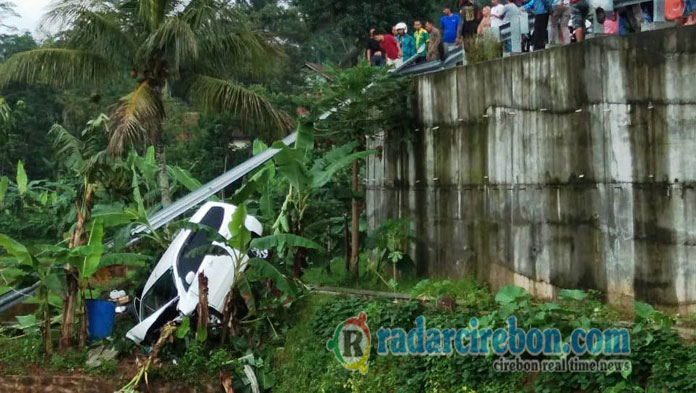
(159, 294)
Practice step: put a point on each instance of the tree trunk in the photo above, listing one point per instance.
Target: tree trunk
(163, 177)
(82, 340)
(69, 304)
(202, 332)
(298, 262)
(227, 316)
(346, 245)
(48, 343)
(77, 238)
(355, 222)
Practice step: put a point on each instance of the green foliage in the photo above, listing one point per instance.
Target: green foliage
(239, 234)
(467, 293)
(480, 49)
(191, 40)
(63, 67)
(11, 44)
(510, 294)
(307, 175)
(283, 240)
(572, 294)
(372, 102)
(16, 354)
(265, 270)
(661, 360)
(390, 243)
(198, 363)
(353, 18)
(4, 185)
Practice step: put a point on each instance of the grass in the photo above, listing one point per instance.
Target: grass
(688, 320)
(19, 355)
(480, 49)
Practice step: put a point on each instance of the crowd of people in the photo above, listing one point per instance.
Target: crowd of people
(393, 48)
(556, 22)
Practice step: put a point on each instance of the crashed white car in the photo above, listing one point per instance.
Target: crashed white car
(171, 291)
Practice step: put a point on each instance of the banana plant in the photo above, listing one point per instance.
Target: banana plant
(23, 193)
(39, 266)
(304, 177)
(257, 268)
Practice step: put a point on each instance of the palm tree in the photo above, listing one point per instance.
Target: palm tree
(7, 8)
(193, 49)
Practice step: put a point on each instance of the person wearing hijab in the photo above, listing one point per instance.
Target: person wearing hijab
(485, 23)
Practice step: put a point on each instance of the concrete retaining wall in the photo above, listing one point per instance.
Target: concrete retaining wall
(574, 167)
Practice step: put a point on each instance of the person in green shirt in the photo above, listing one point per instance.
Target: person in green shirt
(420, 35)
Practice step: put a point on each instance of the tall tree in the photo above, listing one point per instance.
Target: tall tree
(372, 103)
(193, 49)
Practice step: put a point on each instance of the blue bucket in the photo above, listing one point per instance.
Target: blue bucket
(100, 318)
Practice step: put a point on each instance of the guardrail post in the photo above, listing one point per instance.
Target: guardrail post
(515, 35)
(658, 11)
(524, 23)
(597, 28)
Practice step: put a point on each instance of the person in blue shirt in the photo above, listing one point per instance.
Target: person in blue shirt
(407, 43)
(541, 10)
(449, 24)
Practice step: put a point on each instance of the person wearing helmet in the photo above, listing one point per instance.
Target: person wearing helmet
(407, 43)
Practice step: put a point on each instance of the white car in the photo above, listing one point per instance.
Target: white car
(171, 291)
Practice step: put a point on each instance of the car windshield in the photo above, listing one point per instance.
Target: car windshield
(197, 245)
(159, 294)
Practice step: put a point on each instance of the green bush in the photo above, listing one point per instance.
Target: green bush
(484, 48)
(661, 360)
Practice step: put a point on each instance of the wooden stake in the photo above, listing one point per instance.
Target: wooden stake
(202, 331)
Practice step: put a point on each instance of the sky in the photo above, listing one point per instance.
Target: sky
(30, 13)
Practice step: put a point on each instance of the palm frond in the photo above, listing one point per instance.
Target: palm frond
(175, 40)
(93, 25)
(7, 9)
(137, 119)
(240, 52)
(218, 95)
(68, 147)
(226, 40)
(83, 153)
(57, 67)
(63, 13)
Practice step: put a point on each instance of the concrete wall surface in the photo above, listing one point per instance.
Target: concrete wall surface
(573, 167)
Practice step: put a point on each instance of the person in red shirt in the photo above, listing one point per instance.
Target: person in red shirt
(391, 47)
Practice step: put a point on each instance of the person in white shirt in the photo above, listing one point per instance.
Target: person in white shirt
(497, 13)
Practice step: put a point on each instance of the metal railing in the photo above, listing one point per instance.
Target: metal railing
(511, 31)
